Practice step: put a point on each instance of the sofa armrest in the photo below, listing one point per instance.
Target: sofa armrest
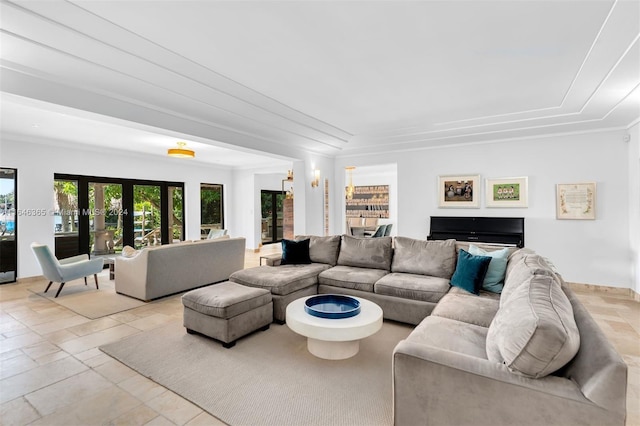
(437, 386)
(273, 259)
(131, 275)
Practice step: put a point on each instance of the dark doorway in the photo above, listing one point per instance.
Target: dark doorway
(272, 215)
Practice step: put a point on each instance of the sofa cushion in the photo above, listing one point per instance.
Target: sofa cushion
(323, 249)
(434, 258)
(295, 252)
(351, 277)
(465, 307)
(494, 280)
(412, 286)
(470, 271)
(365, 252)
(450, 335)
(225, 300)
(535, 332)
(280, 280)
(528, 264)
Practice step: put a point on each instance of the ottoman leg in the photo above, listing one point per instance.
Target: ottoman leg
(229, 345)
(190, 331)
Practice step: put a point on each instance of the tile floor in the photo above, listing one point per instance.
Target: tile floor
(52, 372)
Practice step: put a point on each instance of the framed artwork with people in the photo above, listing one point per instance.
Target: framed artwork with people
(507, 192)
(459, 191)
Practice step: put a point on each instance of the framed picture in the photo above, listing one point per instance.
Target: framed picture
(459, 191)
(507, 192)
(576, 201)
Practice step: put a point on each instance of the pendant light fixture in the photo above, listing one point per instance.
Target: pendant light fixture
(181, 151)
(350, 190)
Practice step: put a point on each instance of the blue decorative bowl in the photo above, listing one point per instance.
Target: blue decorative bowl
(332, 306)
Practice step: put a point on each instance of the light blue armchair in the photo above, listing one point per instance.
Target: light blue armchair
(68, 269)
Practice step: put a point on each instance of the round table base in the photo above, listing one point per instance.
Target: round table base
(333, 350)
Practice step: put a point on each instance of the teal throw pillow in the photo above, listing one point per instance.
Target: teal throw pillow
(295, 252)
(494, 280)
(470, 272)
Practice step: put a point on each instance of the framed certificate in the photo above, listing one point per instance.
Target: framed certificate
(576, 201)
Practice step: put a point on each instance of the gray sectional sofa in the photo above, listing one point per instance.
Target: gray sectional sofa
(530, 355)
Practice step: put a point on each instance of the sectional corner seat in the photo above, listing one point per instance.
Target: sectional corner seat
(530, 355)
(160, 271)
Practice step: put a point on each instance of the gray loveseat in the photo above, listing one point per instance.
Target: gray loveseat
(531, 355)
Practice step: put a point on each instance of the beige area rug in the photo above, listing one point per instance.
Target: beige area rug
(269, 378)
(86, 300)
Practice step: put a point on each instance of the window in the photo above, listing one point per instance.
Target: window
(211, 208)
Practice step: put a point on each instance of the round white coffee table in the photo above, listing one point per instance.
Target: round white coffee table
(334, 338)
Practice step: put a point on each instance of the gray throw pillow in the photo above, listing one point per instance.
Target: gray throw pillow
(322, 249)
(535, 332)
(365, 252)
(433, 258)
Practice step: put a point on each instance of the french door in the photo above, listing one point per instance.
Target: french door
(272, 216)
(100, 215)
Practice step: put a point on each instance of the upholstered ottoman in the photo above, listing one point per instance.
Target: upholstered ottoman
(227, 311)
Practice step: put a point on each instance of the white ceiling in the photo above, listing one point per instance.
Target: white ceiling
(329, 78)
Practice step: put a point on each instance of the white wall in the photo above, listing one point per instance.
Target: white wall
(595, 252)
(634, 204)
(37, 163)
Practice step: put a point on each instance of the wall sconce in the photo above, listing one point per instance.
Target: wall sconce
(316, 178)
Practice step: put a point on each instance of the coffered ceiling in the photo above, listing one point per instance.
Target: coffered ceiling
(330, 78)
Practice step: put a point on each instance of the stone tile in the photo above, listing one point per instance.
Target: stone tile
(67, 392)
(92, 326)
(97, 409)
(98, 338)
(174, 407)
(49, 358)
(124, 317)
(10, 354)
(160, 421)
(59, 324)
(85, 355)
(16, 365)
(21, 341)
(138, 416)
(59, 336)
(142, 388)
(97, 360)
(205, 419)
(17, 412)
(14, 329)
(38, 378)
(115, 371)
(40, 349)
(152, 321)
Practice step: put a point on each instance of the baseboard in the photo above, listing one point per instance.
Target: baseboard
(619, 291)
(33, 279)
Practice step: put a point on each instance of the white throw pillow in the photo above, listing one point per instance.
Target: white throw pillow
(128, 251)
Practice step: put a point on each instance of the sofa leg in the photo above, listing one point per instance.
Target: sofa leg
(229, 345)
(279, 322)
(85, 280)
(265, 328)
(190, 331)
(47, 289)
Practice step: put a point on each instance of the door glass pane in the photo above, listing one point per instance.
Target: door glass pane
(65, 221)
(211, 209)
(105, 218)
(176, 214)
(146, 216)
(267, 217)
(8, 248)
(279, 215)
